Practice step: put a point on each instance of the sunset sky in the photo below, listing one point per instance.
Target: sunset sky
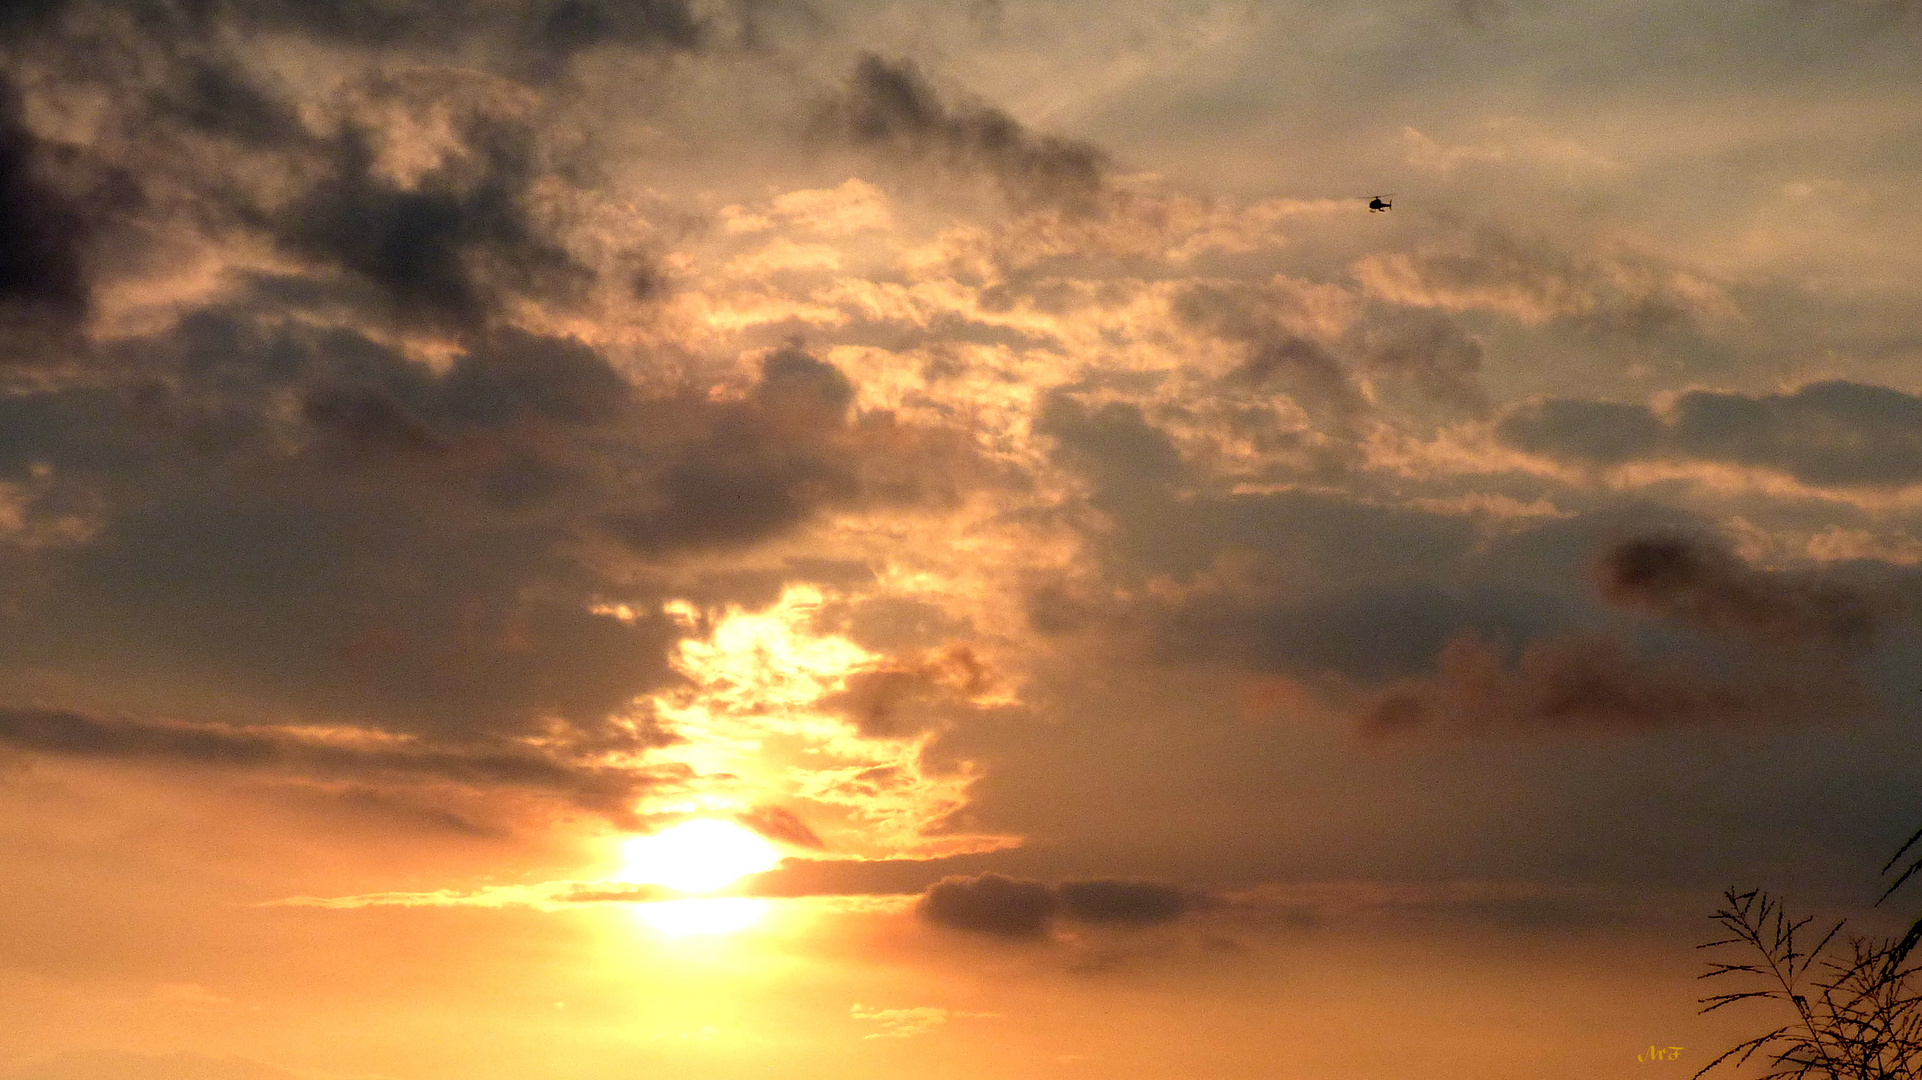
(602, 539)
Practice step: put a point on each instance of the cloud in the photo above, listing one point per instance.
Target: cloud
(338, 754)
(907, 1023)
(991, 904)
(429, 195)
(914, 694)
(574, 25)
(744, 470)
(1576, 681)
(1499, 903)
(538, 35)
(1534, 283)
(1706, 585)
(309, 518)
(891, 108)
(752, 725)
(1442, 360)
(864, 877)
(1017, 909)
(451, 247)
(781, 825)
(57, 203)
(1825, 434)
(1282, 341)
(1123, 903)
(41, 231)
(217, 95)
(1113, 445)
(350, 451)
(544, 896)
(1601, 432)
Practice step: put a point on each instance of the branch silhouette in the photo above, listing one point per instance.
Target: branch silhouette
(1857, 1006)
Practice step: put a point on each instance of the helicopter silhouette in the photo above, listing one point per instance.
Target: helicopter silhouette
(1381, 203)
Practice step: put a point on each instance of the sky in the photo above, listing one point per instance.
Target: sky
(587, 539)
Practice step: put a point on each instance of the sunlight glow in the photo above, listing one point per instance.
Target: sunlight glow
(758, 723)
(686, 918)
(698, 856)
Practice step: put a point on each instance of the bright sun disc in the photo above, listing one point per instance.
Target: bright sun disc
(698, 856)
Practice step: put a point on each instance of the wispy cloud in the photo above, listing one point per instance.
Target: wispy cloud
(909, 1022)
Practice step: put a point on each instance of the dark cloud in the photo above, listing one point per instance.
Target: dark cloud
(368, 417)
(1602, 432)
(216, 95)
(44, 227)
(265, 507)
(1372, 631)
(880, 701)
(1015, 908)
(741, 471)
(1126, 903)
(531, 38)
(1701, 583)
(573, 25)
(1835, 433)
(734, 482)
(451, 247)
(507, 381)
(447, 242)
(777, 823)
(914, 694)
(1594, 682)
(890, 107)
(328, 753)
(515, 376)
(22, 15)
(790, 378)
(991, 904)
(1113, 445)
(1302, 359)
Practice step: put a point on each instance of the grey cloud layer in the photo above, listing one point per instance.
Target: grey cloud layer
(351, 483)
(1589, 681)
(1449, 627)
(324, 755)
(535, 35)
(1832, 434)
(412, 544)
(1017, 908)
(374, 481)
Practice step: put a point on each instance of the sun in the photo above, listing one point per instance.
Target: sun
(699, 856)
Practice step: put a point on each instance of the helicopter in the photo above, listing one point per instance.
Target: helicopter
(1381, 203)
